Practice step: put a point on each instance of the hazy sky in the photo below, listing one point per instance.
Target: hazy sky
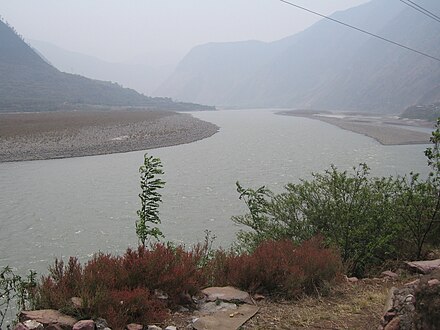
(123, 30)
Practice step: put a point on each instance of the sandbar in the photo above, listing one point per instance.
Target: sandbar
(50, 135)
(387, 130)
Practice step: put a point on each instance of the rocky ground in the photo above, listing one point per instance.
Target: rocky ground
(47, 135)
(387, 130)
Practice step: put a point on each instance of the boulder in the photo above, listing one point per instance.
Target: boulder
(48, 317)
(101, 324)
(390, 300)
(84, 325)
(226, 320)
(134, 326)
(399, 309)
(352, 279)
(216, 306)
(424, 266)
(433, 282)
(171, 327)
(20, 326)
(413, 283)
(227, 293)
(154, 327)
(390, 274)
(33, 325)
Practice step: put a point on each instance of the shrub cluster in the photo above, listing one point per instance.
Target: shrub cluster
(124, 289)
(369, 220)
(278, 268)
(131, 288)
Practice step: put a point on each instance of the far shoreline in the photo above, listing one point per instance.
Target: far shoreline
(387, 130)
(68, 134)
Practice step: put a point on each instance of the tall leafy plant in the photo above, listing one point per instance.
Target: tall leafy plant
(15, 289)
(150, 198)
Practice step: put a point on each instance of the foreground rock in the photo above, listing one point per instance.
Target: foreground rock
(84, 325)
(227, 319)
(49, 317)
(425, 266)
(415, 306)
(227, 293)
(224, 308)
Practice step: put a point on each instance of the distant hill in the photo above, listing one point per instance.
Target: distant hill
(29, 83)
(140, 76)
(327, 66)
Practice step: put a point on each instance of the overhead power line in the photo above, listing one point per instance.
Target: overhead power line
(420, 9)
(361, 30)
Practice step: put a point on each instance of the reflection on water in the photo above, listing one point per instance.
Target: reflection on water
(78, 206)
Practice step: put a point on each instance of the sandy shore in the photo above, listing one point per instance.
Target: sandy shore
(47, 135)
(387, 130)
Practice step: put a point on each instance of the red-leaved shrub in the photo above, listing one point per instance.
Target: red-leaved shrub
(105, 281)
(278, 267)
(172, 270)
(137, 305)
(126, 289)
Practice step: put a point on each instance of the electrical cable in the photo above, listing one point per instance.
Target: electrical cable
(361, 30)
(421, 9)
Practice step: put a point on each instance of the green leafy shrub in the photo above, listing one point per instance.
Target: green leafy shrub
(352, 211)
(370, 220)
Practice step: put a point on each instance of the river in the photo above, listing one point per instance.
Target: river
(78, 206)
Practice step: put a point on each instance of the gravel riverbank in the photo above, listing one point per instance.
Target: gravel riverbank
(47, 135)
(385, 130)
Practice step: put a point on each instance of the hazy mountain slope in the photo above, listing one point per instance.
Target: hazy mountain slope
(384, 78)
(213, 71)
(28, 83)
(326, 66)
(140, 77)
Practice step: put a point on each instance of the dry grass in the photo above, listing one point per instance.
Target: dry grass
(347, 306)
(357, 306)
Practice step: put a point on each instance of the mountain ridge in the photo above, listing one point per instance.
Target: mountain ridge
(326, 66)
(29, 83)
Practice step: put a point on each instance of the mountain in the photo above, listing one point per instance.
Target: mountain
(140, 76)
(326, 66)
(30, 83)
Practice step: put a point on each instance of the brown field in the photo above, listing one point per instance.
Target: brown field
(46, 135)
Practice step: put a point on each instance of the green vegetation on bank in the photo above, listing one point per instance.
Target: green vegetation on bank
(369, 220)
(294, 243)
(428, 112)
(16, 290)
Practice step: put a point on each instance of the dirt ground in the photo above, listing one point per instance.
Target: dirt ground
(354, 306)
